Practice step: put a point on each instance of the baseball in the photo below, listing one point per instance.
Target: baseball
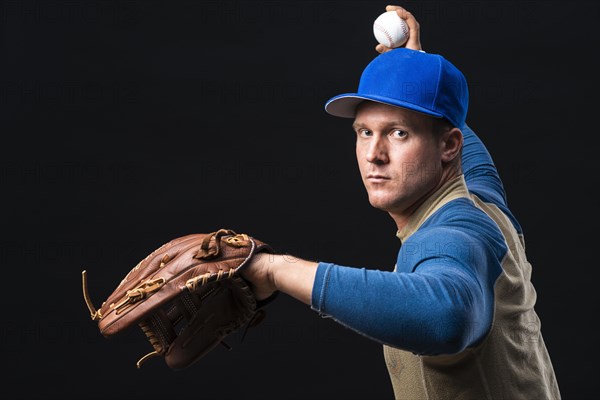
(390, 30)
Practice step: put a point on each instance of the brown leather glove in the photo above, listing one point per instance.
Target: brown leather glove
(186, 296)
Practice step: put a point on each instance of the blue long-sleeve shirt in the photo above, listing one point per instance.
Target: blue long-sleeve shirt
(440, 297)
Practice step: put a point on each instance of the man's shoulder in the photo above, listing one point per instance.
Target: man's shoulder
(458, 230)
(459, 219)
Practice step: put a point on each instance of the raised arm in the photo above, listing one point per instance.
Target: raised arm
(479, 170)
(481, 175)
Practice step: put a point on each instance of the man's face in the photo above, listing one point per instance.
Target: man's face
(398, 156)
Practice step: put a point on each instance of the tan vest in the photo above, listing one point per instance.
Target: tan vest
(512, 361)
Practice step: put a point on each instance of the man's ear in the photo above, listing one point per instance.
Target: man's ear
(452, 142)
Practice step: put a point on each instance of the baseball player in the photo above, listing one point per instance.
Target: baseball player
(456, 317)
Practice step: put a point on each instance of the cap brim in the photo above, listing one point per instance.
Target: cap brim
(344, 105)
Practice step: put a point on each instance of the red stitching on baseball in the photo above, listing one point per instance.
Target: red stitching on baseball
(386, 33)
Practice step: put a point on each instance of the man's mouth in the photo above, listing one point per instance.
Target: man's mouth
(376, 178)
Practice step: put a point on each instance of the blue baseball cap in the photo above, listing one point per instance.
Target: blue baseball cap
(412, 79)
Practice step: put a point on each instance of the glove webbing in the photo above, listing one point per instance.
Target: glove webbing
(161, 328)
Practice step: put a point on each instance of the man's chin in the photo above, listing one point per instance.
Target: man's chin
(381, 205)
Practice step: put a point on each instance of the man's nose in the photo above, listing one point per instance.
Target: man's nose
(377, 151)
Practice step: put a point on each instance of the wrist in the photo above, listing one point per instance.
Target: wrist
(270, 270)
(291, 275)
(269, 267)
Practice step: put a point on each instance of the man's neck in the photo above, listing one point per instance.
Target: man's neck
(401, 219)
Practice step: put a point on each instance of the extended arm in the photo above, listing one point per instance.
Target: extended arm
(443, 307)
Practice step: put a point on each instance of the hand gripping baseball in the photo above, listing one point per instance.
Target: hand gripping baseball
(186, 296)
(414, 37)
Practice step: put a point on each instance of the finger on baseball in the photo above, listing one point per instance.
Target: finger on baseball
(397, 9)
(406, 15)
(382, 49)
(414, 38)
(410, 19)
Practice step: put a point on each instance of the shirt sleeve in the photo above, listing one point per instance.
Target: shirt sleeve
(442, 307)
(481, 174)
(479, 169)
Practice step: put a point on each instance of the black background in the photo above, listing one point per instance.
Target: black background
(126, 124)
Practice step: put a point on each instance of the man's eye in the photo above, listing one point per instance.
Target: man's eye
(399, 133)
(365, 132)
